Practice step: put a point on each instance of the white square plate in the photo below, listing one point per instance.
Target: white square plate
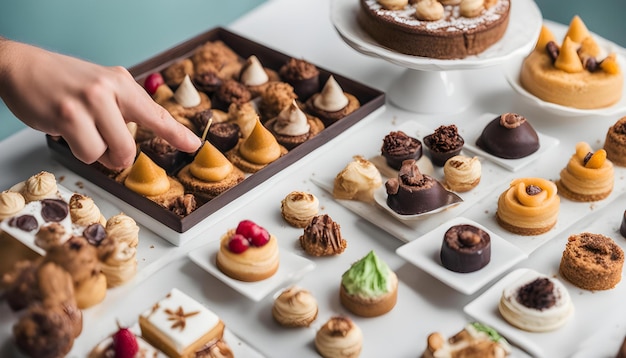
(423, 252)
(291, 268)
(473, 132)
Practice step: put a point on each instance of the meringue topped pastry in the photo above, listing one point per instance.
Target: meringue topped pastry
(461, 173)
(187, 101)
(332, 103)
(293, 127)
(11, 203)
(357, 181)
(295, 307)
(298, 208)
(42, 185)
(413, 193)
(256, 77)
(339, 337)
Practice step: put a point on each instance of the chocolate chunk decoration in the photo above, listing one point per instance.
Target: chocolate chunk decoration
(54, 210)
(24, 222)
(94, 234)
(538, 294)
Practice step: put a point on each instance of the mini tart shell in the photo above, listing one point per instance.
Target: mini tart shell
(290, 141)
(245, 165)
(243, 266)
(370, 306)
(329, 118)
(208, 190)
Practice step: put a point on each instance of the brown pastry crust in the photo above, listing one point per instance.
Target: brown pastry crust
(290, 141)
(245, 165)
(329, 118)
(565, 192)
(370, 307)
(207, 190)
(523, 230)
(592, 261)
(615, 143)
(448, 42)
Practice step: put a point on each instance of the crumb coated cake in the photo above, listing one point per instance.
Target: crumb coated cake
(431, 29)
(615, 143)
(369, 288)
(180, 326)
(536, 303)
(322, 237)
(592, 261)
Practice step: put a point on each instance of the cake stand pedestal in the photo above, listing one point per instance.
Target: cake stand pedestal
(436, 86)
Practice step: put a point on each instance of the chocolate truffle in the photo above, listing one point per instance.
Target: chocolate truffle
(622, 228)
(224, 135)
(509, 136)
(444, 144)
(398, 147)
(465, 248)
(413, 193)
(207, 81)
(303, 76)
(164, 154)
(229, 92)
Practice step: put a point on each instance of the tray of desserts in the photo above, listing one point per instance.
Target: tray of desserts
(260, 111)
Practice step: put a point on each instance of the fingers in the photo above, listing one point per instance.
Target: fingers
(79, 132)
(137, 106)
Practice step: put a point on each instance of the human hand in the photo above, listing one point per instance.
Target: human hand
(85, 103)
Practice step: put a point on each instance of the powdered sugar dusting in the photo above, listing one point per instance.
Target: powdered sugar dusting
(452, 21)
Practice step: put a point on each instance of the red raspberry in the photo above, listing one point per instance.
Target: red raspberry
(152, 82)
(259, 236)
(245, 228)
(238, 244)
(125, 343)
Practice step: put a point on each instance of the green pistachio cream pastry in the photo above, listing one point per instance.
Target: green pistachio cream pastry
(369, 288)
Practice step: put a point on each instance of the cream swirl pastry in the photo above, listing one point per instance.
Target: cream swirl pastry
(252, 73)
(11, 203)
(42, 185)
(298, 208)
(123, 228)
(536, 303)
(339, 337)
(119, 263)
(186, 94)
(462, 173)
(84, 211)
(332, 98)
(295, 307)
(291, 121)
(357, 181)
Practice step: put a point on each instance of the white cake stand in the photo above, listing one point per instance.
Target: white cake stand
(432, 85)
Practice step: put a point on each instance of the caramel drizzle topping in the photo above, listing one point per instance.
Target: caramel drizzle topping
(179, 317)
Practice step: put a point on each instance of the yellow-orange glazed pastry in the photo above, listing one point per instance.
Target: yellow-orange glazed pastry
(339, 337)
(475, 340)
(298, 208)
(322, 237)
(588, 175)
(332, 103)
(369, 288)
(209, 174)
(357, 181)
(461, 173)
(148, 179)
(248, 253)
(592, 261)
(295, 307)
(530, 206)
(256, 151)
(615, 143)
(578, 73)
(293, 127)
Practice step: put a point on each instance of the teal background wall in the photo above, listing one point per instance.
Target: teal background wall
(126, 32)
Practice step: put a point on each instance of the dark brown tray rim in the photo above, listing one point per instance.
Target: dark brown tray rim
(370, 98)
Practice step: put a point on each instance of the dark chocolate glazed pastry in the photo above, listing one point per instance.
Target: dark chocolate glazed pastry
(224, 136)
(465, 248)
(398, 147)
(303, 76)
(509, 136)
(414, 193)
(444, 144)
(622, 228)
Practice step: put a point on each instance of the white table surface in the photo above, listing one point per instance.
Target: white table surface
(303, 29)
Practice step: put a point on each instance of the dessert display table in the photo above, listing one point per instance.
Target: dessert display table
(425, 304)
